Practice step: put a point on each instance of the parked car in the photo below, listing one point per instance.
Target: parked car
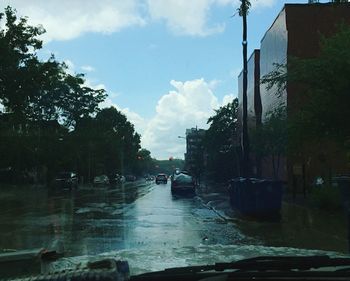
(101, 180)
(183, 183)
(122, 179)
(161, 178)
(130, 178)
(115, 179)
(66, 180)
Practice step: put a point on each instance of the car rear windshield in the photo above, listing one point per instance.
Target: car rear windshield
(184, 179)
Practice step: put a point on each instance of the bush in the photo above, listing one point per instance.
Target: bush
(326, 198)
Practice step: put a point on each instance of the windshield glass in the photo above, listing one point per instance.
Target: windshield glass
(106, 107)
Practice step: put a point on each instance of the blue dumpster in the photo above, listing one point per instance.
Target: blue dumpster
(343, 183)
(256, 197)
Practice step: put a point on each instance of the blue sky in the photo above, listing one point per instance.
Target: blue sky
(167, 64)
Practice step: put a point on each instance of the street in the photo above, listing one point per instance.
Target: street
(142, 221)
(92, 221)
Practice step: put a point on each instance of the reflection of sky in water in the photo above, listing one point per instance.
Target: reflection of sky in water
(157, 230)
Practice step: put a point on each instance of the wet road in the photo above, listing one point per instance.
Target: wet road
(93, 221)
(142, 220)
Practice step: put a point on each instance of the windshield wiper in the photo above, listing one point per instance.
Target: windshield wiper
(112, 270)
(283, 263)
(264, 263)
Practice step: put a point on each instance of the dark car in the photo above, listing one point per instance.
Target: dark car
(115, 179)
(161, 178)
(183, 183)
(66, 180)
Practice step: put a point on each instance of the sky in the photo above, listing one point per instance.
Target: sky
(166, 64)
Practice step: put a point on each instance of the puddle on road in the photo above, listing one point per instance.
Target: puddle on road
(155, 230)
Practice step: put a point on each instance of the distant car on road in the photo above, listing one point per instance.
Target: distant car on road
(161, 178)
(183, 183)
(101, 180)
(130, 178)
(66, 180)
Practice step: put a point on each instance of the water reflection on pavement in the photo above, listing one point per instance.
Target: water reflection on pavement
(145, 218)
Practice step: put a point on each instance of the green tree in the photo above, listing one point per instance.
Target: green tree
(270, 139)
(18, 46)
(144, 162)
(219, 141)
(35, 90)
(106, 143)
(39, 97)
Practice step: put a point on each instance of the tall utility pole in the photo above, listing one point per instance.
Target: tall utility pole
(243, 11)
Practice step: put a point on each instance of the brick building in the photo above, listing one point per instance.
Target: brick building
(194, 156)
(296, 32)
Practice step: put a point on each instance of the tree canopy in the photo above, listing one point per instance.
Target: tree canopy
(34, 90)
(51, 119)
(223, 156)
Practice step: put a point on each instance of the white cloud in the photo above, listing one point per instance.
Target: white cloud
(227, 99)
(67, 19)
(186, 17)
(87, 68)
(93, 85)
(214, 83)
(139, 122)
(188, 106)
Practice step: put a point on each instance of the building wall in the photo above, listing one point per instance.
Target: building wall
(297, 32)
(257, 95)
(253, 100)
(306, 25)
(194, 156)
(273, 49)
(253, 92)
(240, 109)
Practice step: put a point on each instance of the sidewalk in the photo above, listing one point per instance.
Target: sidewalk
(215, 197)
(301, 226)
